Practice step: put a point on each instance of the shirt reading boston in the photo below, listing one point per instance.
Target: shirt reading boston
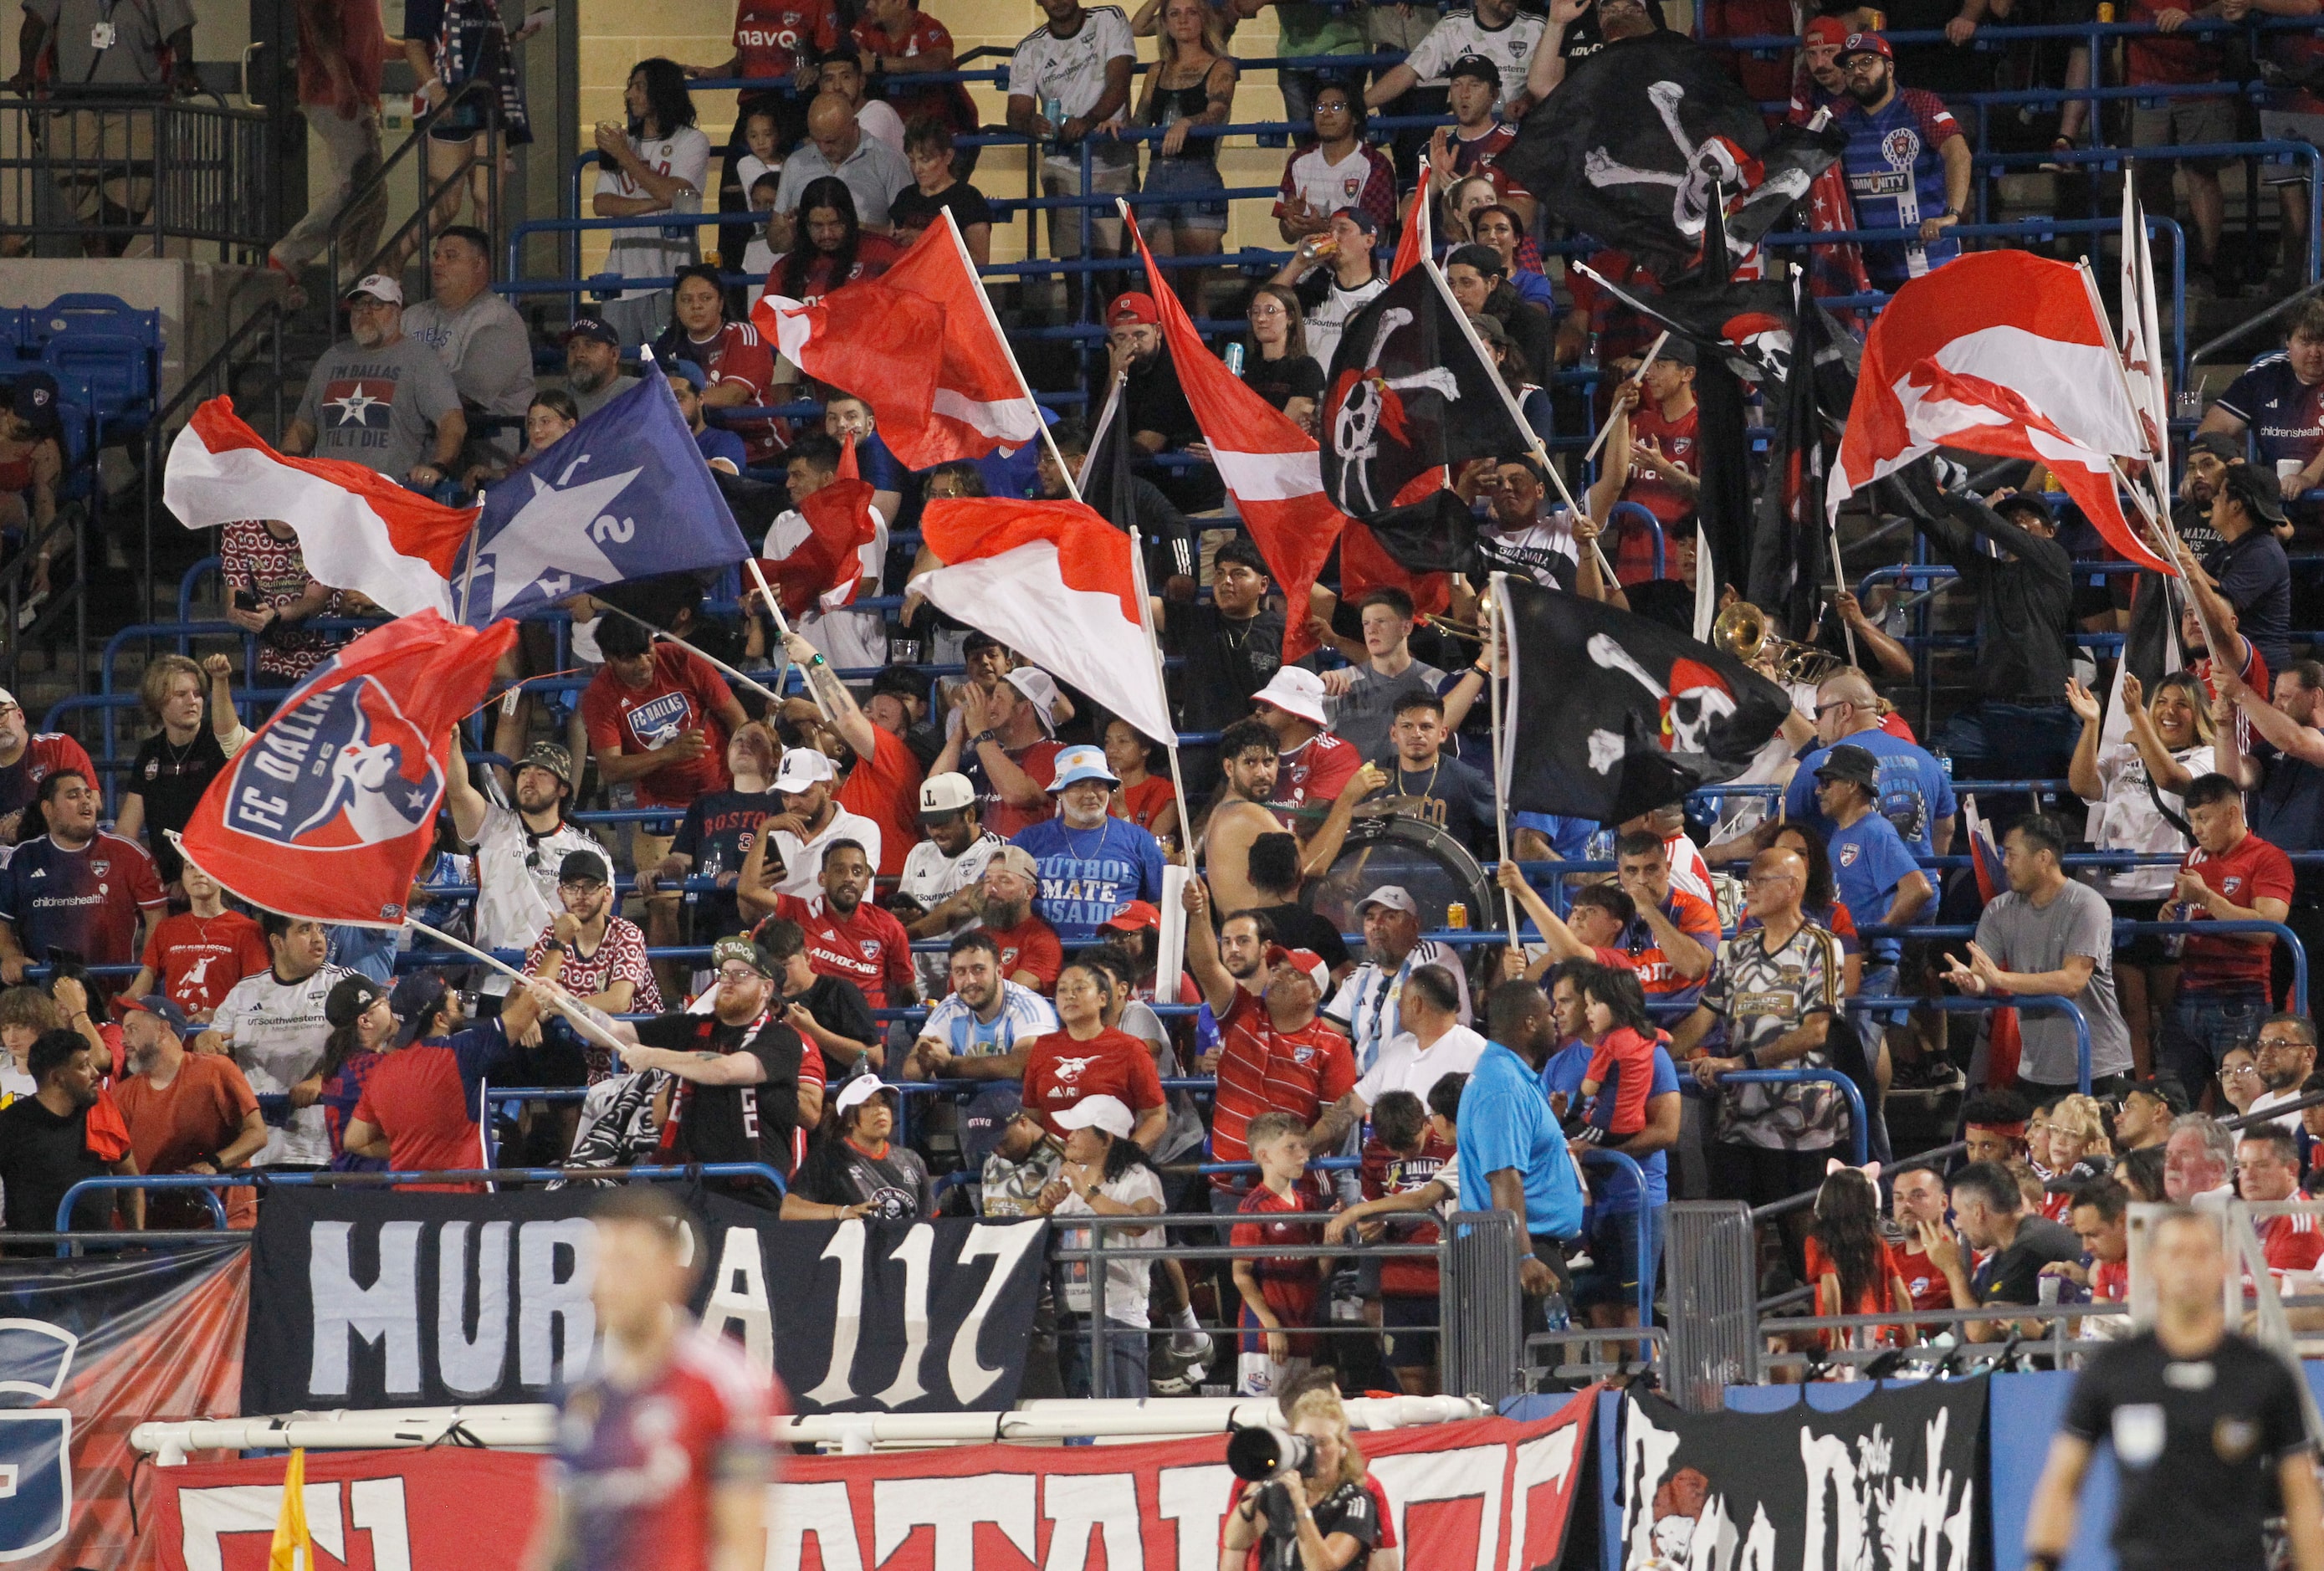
(737, 1124)
(2215, 1427)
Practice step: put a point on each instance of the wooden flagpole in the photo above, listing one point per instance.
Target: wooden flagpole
(1501, 655)
(968, 263)
(1154, 648)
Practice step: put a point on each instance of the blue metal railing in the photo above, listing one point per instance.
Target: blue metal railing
(1859, 1132)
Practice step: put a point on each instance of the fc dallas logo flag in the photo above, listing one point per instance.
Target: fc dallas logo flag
(328, 810)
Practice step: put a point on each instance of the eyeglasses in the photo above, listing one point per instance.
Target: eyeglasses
(1824, 709)
(738, 973)
(2290, 1044)
(2240, 1072)
(1266, 310)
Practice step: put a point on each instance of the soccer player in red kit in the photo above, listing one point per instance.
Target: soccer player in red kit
(663, 1455)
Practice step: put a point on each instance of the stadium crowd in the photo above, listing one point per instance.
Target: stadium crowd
(898, 937)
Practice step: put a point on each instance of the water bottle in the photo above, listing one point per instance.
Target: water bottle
(1234, 358)
(1053, 110)
(1945, 763)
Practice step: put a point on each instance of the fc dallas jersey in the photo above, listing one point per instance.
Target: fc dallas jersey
(85, 901)
(771, 36)
(868, 947)
(46, 753)
(639, 1467)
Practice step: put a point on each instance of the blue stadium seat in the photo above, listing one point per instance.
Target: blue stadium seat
(69, 314)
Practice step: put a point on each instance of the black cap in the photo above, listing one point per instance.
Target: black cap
(1477, 67)
(2027, 501)
(2257, 490)
(2225, 449)
(580, 866)
(596, 330)
(415, 998)
(1849, 762)
(1678, 351)
(34, 400)
(348, 998)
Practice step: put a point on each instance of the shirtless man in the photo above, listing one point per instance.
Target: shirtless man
(1241, 814)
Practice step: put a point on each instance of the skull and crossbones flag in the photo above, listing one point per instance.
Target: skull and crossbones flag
(1615, 715)
(1410, 394)
(1632, 144)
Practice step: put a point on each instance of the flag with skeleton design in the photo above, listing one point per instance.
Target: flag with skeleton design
(1644, 714)
(1629, 147)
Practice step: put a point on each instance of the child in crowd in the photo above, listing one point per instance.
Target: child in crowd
(2080, 1151)
(1622, 1067)
(1407, 1168)
(1850, 1261)
(1281, 1294)
(759, 257)
(762, 161)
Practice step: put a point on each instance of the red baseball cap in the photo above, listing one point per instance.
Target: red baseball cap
(1866, 44)
(1825, 29)
(1130, 918)
(1307, 960)
(1134, 309)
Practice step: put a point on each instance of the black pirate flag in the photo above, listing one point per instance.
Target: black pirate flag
(1643, 714)
(1411, 392)
(1631, 145)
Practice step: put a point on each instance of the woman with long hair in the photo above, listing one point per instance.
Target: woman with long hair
(1324, 1518)
(833, 247)
(1850, 1261)
(2077, 1139)
(853, 1167)
(1820, 902)
(363, 1033)
(1277, 366)
(175, 765)
(2134, 783)
(1105, 1174)
(1190, 84)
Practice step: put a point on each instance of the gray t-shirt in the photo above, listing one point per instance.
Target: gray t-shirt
(485, 347)
(1363, 716)
(138, 27)
(377, 407)
(2023, 937)
(589, 403)
(873, 173)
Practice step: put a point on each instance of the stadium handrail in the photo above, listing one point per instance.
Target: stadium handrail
(1859, 1131)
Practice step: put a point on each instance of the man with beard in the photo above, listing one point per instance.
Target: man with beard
(381, 399)
(849, 938)
(187, 1112)
(1367, 1007)
(749, 1087)
(1092, 864)
(1154, 410)
(593, 364)
(521, 851)
(602, 955)
(1031, 955)
(274, 1025)
(1006, 744)
(67, 1130)
(1240, 814)
(76, 889)
(1907, 163)
(2285, 1052)
(985, 1015)
(787, 858)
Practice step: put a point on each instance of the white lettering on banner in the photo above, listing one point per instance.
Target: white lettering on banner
(1548, 1460)
(799, 1511)
(210, 1514)
(914, 1252)
(1415, 1476)
(1007, 1245)
(1195, 1498)
(389, 1309)
(846, 1247)
(1076, 1503)
(471, 1367)
(547, 1298)
(375, 1506)
(738, 1296)
(953, 1507)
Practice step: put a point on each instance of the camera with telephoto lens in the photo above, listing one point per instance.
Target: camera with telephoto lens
(1262, 1451)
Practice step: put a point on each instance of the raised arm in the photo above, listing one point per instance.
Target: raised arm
(1202, 962)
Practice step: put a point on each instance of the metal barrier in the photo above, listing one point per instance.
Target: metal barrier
(1712, 1265)
(1859, 1131)
(1483, 1349)
(115, 169)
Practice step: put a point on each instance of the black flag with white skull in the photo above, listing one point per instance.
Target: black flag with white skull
(1631, 145)
(1644, 714)
(1410, 394)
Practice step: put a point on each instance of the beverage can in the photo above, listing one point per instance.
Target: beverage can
(1234, 358)
(1456, 916)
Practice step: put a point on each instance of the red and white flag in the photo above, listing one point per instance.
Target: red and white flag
(357, 528)
(965, 401)
(2019, 334)
(328, 810)
(824, 570)
(1055, 582)
(1268, 465)
(2143, 361)
(1414, 245)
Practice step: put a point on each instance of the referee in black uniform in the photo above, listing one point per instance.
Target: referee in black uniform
(2207, 1430)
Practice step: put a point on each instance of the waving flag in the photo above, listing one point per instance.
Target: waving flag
(1055, 582)
(327, 812)
(1999, 339)
(873, 338)
(2144, 361)
(293, 1547)
(623, 494)
(825, 568)
(357, 528)
(1270, 467)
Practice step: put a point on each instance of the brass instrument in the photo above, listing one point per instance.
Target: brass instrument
(1467, 632)
(1741, 630)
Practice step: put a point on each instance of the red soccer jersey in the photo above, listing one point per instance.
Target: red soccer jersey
(44, 755)
(2291, 1243)
(885, 788)
(1316, 770)
(1385, 1173)
(641, 1466)
(925, 35)
(1263, 1070)
(1290, 1284)
(1690, 915)
(2254, 676)
(424, 1099)
(84, 901)
(2111, 1281)
(771, 36)
(739, 355)
(682, 693)
(869, 947)
(1060, 1071)
(1030, 946)
(2253, 870)
(2188, 58)
(1648, 490)
(196, 959)
(1622, 1064)
(1143, 802)
(1930, 1290)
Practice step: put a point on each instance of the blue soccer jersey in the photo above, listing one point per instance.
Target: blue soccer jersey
(1897, 177)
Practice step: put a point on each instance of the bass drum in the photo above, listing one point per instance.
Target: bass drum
(1428, 864)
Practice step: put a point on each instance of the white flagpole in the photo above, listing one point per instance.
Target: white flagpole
(2150, 328)
(1606, 426)
(993, 318)
(1154, 648)
(570, 1009)
(724, 669)
(2121, 377)
(1498, 585)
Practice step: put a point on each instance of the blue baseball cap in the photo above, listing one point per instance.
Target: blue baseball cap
(1076, 765)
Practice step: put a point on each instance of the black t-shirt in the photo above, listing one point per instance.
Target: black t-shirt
(911, 210)
(1466, 793)
(2256, 577)
(1280, 381)
(171, 780)
(1226, 661)
(1664, 600)
(2215, 1428)
(1297, 927)
(733, 1123)
(42, 1156)
(2013, 1276)
(1348, 1508)
(838, 1007)
(839, 1172)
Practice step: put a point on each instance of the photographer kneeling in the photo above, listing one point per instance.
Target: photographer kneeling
(1323, 1516)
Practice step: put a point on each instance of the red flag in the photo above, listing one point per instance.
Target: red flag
(868, 340)
(824, 568)
(1055, 582)
(327, 812)
(1268, 464)
(1836, 269)
(1365, 564)
(1413, 246)
(2006, 323)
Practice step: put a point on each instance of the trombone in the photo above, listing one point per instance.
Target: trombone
(1741, 630)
